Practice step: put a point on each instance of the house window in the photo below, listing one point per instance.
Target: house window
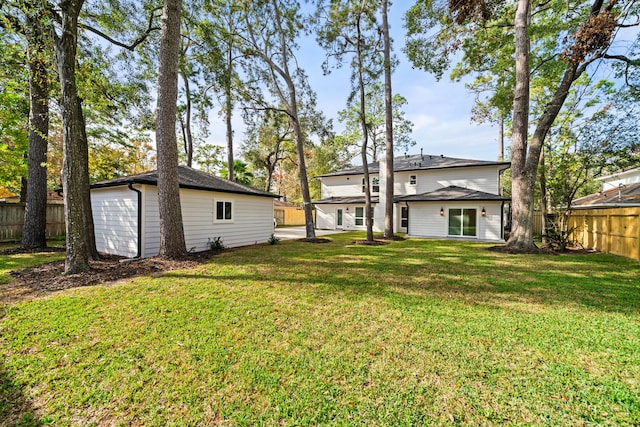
(224, 211)
(360, 216)
(463, 222)
(413, 179)
(404, 216)
(375, 185)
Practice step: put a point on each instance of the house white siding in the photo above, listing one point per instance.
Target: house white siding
(326, 217)
(474, 178)
(425, 219)
(340, 186)
(115, 219)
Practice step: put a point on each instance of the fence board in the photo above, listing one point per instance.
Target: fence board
(12, 221)
(610, 230)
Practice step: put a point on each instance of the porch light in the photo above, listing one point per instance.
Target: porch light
(441, 211)
(347, 210)
(483, 212)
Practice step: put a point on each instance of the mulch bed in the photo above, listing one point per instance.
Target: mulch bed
(38, 281)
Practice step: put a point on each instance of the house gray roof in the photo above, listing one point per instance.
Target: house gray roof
(357, 200)
(451, 193)
(419, 162)
(625, 195)
(187, 178)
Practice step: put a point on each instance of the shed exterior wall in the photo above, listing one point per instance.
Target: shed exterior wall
(115, 218)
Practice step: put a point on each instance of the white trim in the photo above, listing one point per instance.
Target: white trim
(217, 220)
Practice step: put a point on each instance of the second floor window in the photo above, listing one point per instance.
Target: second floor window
(413, 179)
(375, 185)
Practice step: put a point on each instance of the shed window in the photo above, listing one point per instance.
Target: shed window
(224, 211)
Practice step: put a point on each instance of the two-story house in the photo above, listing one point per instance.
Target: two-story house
(434, 196)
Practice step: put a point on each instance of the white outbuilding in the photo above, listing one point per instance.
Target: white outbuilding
(127, 221)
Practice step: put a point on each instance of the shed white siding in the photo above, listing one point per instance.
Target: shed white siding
(115, 218)
(115, 211)
(252, 220)
(425, 219)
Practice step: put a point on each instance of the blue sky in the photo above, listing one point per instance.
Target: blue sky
(440, 110)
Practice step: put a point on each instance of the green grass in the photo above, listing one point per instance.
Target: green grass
(413, 333)
(16, 262)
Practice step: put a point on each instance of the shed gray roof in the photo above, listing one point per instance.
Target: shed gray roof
(625, 195)
(451, 193)
(419, 162)
(187, 178)
(357, 200)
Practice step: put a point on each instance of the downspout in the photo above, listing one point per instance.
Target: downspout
(130, 185)
(502, 220)
(408, 216)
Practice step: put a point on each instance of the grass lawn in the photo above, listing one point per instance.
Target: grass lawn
(418, 332)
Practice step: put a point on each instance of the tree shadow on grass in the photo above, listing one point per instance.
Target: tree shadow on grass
(596, 282)
(16, 409)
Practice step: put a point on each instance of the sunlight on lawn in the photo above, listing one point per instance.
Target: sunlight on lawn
(412, 333)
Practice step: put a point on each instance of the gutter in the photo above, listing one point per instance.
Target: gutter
(130, 185)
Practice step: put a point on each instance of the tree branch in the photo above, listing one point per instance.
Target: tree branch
(135, 43)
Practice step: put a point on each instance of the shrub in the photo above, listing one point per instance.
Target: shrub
(273, 239)
(216, 244)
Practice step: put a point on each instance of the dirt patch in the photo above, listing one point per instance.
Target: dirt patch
(371, 242)
(35, 282)
(316, 240)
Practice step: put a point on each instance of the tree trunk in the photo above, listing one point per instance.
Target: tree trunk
(522, 180)
(501, 138)
(172, 242)
(388, 107)
(297, 131)
(34, 233)
(77, 258)
(228, 111)
(365, 133)
(83, 144)
(543, 198)
(188, 138)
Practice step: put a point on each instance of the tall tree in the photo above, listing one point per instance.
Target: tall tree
(376, 123)
(30, 21)
(75, 169)
(172, 241)
(568, 38)
(351, 27)
(388, 108)
(272, 27)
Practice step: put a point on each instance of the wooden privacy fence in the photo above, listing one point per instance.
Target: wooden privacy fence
(610, 230)
(12, 221)
(289, 215)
